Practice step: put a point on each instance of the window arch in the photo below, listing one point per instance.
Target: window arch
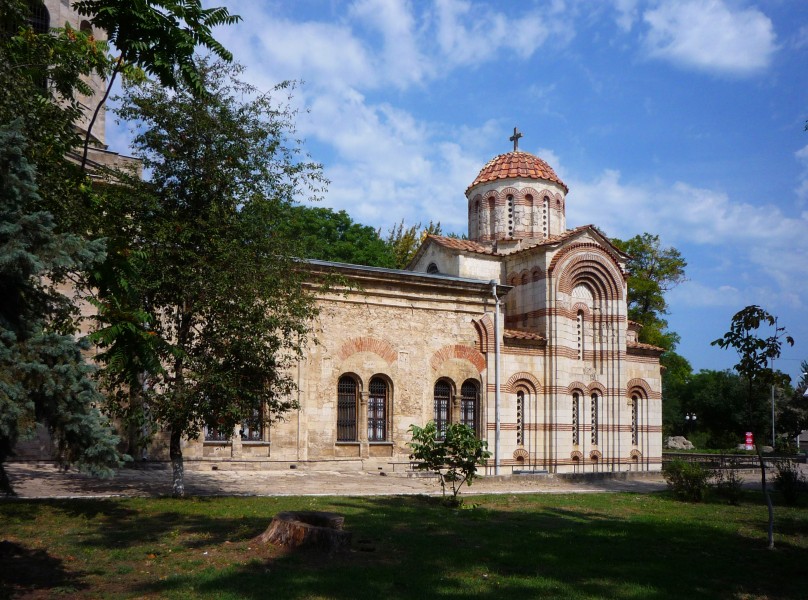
(378, 409)
(442, 395)
(347, 408)
(469, 401)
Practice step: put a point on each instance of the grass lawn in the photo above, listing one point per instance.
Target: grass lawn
(526, 546)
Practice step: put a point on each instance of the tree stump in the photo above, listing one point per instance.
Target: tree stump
(321, 530)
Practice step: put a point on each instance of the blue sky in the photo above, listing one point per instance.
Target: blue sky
(683, 119)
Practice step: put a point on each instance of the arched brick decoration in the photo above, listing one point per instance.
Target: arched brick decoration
(509, 191)
(536, 274)
(635, 454)
(640, 385)
(595, 455)
(596, 386)
(485, 333)
(576, 454)
(368, 344)
(521, 453)
(588, 263)
(468, 353)
(582, 306)
(576, 386)
(525, 378)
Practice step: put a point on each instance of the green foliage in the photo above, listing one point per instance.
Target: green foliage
(728, 482)
(676, 376)
(201, 279)
(653, 271)
(454, 458)
(43, 376)
(405, 241)
(687, 480)
(792, 407)
(323, 234)
(789, 481)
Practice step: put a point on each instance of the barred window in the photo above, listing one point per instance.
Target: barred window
(520, 418)
(469, 395)
(580, 332)
(346, 409)
(377, 410)
(214, 433)
(576, 418)
(594, 420)
(442, 395)
(252, 429)
(635, 408)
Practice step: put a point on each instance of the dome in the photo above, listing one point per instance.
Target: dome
(517, 165)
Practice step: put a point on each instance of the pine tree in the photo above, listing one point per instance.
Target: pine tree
(43, 376)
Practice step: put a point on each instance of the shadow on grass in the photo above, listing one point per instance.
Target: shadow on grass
(24, 571)
(413, 547)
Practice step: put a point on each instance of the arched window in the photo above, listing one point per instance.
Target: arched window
(347, 401)
(39, 17)
(432, 269)
(492, 218)
(635, 419)
(594, 420)
(469, 394)
(520, 418)
(580, 333)
(576, 418)
(86, 28)
(377, 410)
(443, 392)
(532, 217)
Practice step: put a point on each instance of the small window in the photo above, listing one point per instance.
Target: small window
(377, 410)
(252, 429)
(346, 409)
(469, 400)
(214, 433)
(432, 269)
(441, 396)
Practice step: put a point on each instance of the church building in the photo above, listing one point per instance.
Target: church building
(519, 331)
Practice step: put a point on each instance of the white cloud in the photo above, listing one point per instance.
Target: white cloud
(627, 14)
(709, 35)
(802, 188)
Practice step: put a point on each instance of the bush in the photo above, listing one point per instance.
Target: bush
(687, 480)
(728, 482)
(788, 481)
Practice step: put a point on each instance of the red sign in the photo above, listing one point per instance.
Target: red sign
(750, 441)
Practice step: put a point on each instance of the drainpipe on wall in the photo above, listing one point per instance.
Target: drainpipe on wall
(496, 376)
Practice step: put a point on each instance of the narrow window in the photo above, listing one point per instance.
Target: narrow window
(442, 394)
(635, 429)
(594, 420)
(510, 215)
(492, 218)
(346, 409)
(468, 404)
(520, 418)
(252, 429)
(532, 217)
(432, 269)
(580, 332)
(576, 418)
(377, 410)
(544, 211)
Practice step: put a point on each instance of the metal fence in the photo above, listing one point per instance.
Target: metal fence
(728, 461)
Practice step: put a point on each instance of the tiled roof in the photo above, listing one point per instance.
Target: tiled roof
(641, 346)
(517, 165)
(458, 244)
(522, 335)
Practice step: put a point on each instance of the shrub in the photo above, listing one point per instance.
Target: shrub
(788, 481)
(728, 482)
(687, 480)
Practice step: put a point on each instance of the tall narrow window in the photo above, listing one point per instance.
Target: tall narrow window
(635, 429)
(511, 215)
(252, 429)
(594, 420)
(468, 404)
(580, 332)
(545, 209)
(442, 394)
(39, 17)
(377, 410)
(492, 218)
(346, 409)
(576, 418)
(520, 418)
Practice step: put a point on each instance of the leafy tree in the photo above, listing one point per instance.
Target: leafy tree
(653, 271)
(792, 407)
(676, 376)
(755, 354)
(323, 234)
(405, 241)
(211, 268)
(718, 400)
(454, 458)
(43, 376)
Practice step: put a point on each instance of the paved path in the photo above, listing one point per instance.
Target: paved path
(32, 480)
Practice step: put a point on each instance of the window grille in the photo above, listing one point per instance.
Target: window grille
(252, 429)
(442, 396)
(576, 419)
(216, 434)
(468, 404)
(580, 335)
(635, 401)
(377, 411)
(520, 418)
(346, 409)
(594, 419)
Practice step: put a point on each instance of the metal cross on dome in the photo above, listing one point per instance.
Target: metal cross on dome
(515, 139)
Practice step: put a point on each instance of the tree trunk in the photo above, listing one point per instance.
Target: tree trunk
(177, 467)
(307, 528)
(765, 487)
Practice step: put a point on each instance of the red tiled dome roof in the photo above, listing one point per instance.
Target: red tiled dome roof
(517, 164)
